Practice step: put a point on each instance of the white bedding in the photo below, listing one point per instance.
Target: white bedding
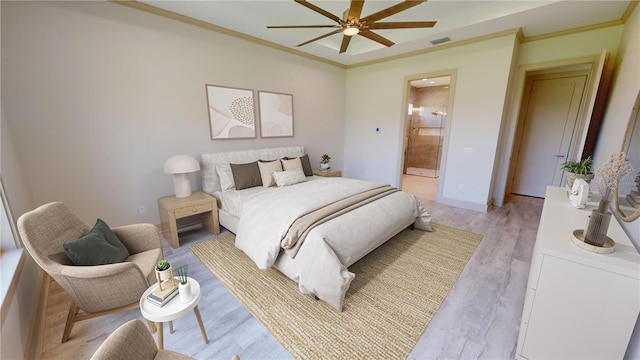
(320, 266)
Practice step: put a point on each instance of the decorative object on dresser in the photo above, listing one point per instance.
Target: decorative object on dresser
(578, 169)
(180, 166)
(579, 193)
(231, 113)
(578, 304)
(172, 208)
(276, 114)
(184, 288)
(324, 162)
(606, 178)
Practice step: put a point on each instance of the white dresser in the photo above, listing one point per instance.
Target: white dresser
(578, 304)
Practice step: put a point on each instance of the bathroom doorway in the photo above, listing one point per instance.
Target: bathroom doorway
(428, 99)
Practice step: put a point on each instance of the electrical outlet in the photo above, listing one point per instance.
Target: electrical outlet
(142, 210)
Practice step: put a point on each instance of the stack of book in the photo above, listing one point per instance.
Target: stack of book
(161, 297)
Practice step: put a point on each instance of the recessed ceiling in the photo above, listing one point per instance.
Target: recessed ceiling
(458, 20)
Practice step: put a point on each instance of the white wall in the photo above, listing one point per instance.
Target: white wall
(100, 95)
(375, 99)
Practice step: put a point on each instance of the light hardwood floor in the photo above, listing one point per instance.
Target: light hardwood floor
(479, 318)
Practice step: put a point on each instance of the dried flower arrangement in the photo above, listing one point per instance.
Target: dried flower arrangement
(614, 169)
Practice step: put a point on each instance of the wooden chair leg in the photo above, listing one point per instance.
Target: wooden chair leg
(73, 310)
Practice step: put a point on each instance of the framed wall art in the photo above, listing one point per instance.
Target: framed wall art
(231, 113)
(276, 114)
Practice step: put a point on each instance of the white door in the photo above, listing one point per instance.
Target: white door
(549, 127)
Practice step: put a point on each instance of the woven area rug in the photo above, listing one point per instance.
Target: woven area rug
(397, 290)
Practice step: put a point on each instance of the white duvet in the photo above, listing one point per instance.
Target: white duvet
(322, 261)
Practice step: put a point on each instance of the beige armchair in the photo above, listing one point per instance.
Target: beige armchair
(133, 341)
(94, 290)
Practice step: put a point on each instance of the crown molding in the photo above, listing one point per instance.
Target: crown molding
(205, 25)
(439, 47)
(517, 32)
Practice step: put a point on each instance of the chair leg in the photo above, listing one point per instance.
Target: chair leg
(73, 310)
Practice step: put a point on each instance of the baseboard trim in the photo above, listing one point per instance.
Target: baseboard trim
(35, 339)
(464, 204)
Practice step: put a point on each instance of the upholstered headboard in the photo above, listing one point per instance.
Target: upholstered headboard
(210, 178)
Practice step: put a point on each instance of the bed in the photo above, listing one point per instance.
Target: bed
(311, 230)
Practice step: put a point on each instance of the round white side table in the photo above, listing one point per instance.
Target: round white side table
(172, 310)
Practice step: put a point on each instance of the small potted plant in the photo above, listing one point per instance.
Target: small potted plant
(578, 170)
(324, 162)
(163, 272)
(184, 289)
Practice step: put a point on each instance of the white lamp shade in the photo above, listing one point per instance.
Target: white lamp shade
(180, 164)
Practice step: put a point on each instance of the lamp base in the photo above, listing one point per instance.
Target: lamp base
(182, 185)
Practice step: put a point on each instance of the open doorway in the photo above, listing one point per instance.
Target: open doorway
(426, 122)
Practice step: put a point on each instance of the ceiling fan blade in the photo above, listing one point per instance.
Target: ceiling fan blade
(402, 25)
(345, 43)
(320, 37)
(391, 10)
(355, 10)
(302, 26)
(320, 11)
(377, 38)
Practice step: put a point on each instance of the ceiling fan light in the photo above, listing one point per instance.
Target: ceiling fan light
(350, 31)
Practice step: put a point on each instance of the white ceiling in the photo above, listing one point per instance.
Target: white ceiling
(458, 20)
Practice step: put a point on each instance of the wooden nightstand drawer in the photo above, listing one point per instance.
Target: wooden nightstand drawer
(192, 210)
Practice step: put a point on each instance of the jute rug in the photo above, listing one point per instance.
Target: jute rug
(397, 290)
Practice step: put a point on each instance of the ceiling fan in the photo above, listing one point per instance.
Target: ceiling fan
(352, 24)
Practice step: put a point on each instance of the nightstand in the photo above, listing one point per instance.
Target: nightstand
(172, 208)
(328, 173)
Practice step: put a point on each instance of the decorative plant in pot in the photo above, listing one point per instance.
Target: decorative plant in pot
(324, 162)
(184, 288)
(606, 177)
(578, 169)
(163, 272)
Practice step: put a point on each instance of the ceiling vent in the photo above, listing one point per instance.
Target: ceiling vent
(440, 41)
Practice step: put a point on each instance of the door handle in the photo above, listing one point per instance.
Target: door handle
(560, 156)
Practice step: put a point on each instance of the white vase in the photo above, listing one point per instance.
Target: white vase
(184, 290)
(324, 166)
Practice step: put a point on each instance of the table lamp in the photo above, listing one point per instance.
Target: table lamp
(180, 166)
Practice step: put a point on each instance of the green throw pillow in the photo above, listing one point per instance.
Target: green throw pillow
(98, 247)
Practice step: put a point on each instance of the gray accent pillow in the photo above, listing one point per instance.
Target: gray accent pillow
(98, 247)
(246, 175)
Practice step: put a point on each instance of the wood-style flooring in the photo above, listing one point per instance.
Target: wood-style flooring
(479, 319)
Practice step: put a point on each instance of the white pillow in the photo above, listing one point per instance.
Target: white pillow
(266, 169)
(289, 177)
(226, 177)
(291, 164)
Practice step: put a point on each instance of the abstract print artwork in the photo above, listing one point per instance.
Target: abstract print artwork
(276, 114)
(231, 113)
